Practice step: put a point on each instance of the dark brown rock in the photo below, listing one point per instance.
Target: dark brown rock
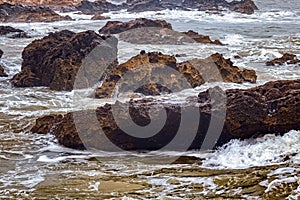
(100, 6)
(273, 108)
(115, 27)
(155, 69)
(25, 13)
(98, 16)
(60, 56)
(43, 125)
(286, 58)
(2, 73)
(244, 6)
(4, 30)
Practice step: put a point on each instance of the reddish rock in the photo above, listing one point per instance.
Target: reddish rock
(201, 38)
(151, 69)
(60, 56)
(23, 13)
(273, 108)
(115, 27)
(286, 58)
(43, 125)
(99, 17)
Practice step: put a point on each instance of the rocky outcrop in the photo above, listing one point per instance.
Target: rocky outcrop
(147, 31)
(100, 6)
(22, 13)
(60, 56)
(54, 3)
(201, 38)
(99, 17)
(286, 58)
(13, 32)
(270, 108)
(244, 6)
(152, 70)
(115, 27)
(2, 73)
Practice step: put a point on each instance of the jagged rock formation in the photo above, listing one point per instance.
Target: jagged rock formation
(151, 70)
(60, 57)
(270, 108)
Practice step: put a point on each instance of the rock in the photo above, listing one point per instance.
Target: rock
(244, 6)
(273, 108)
(115, 27)
(4, 30)
(2, 73)
(99, 17)
(44, 124)
(155, 69)
(22, 13)
(19, 35)
(100, 6)
(13, 32)
(145, 5)
(286, 58)
(60, 57)
(201, 38)
(53, 3)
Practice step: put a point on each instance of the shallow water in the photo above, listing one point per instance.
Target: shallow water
(36, 167)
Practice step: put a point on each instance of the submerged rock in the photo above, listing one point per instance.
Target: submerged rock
(13, 32)
(25, 13)
(54, 60)
(99, 17)
(155, 73)
(270, 108)
(286, 58)
(115, 27)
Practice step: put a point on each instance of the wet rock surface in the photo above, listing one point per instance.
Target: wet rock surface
(286, 58)
(26, 13)
(155, 73)
(60, 56)
(115, 27)
(101, 6)
(270, 108)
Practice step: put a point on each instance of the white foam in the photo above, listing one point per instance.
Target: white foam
(267, 150)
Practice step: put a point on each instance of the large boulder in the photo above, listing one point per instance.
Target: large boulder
(273, 108)
(54, 60)
(115, 27)
(25, 13)
(154, 69)
(244, 6)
